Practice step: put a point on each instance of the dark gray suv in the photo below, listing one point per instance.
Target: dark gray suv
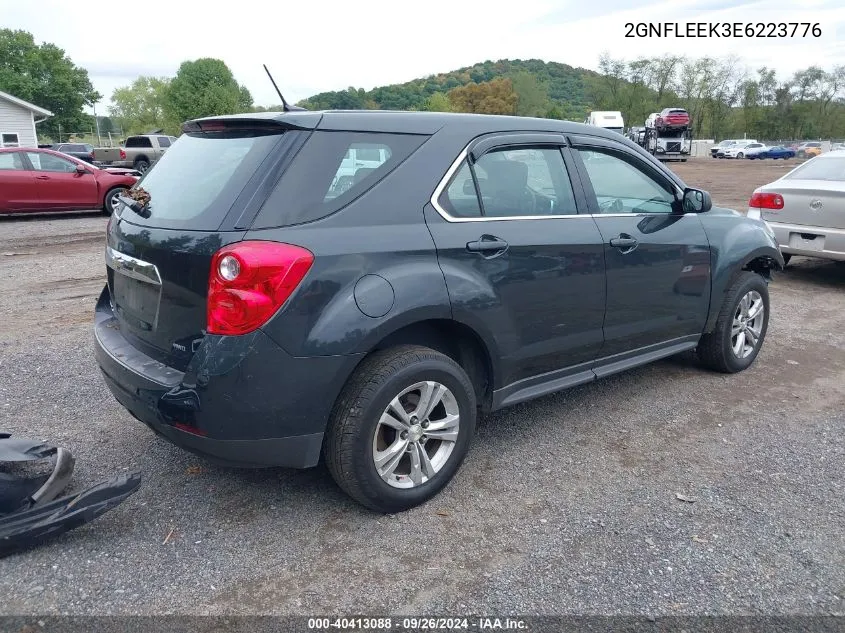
(363, 285)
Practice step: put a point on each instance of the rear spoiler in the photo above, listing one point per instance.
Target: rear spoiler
(269, 121)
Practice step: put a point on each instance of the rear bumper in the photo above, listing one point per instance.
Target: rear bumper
(241, 402)
(794, 239)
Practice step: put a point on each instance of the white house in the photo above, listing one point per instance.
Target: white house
(17, 121)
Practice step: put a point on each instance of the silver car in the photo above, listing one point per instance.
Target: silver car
(806, 208)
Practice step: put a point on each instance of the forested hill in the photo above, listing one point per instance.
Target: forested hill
(543, 88)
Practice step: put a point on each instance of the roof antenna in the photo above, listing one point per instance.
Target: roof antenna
(285, 105)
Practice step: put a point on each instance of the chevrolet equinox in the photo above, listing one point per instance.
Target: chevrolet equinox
(362, 286)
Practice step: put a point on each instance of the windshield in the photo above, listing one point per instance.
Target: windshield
(196, 182)
(820, 169)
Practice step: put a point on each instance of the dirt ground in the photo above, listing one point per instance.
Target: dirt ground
(731, 182)
(565, 505)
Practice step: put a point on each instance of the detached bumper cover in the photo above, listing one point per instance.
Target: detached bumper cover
(22, 530)
(29, 511)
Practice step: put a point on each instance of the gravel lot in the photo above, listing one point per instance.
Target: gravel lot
(565, 505)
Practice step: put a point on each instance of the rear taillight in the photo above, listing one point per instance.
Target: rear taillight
(122, 154)
(762, 200)
(250, 281)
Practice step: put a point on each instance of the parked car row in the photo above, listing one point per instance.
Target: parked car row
(751, 148)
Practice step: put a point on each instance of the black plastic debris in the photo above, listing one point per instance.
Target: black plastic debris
(32, 475)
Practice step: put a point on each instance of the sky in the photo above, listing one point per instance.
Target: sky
(333, 44)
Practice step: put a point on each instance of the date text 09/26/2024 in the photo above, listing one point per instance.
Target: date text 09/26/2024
(723, 29)
(417, 623)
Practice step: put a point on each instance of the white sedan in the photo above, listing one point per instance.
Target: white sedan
(806, 208)
(741, 151)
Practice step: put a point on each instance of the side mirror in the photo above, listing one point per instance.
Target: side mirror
(80, 169)
(696, 201)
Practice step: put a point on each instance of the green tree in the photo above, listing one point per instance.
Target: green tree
(141, 106)
(438, 102)
(532, 94)
(42, 74)
(205, 87)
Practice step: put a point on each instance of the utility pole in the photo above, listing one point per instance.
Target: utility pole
(97, 123)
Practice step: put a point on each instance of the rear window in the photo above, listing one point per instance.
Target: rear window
(820, 169)
(196, 182)
(331, 170)
(138, 141)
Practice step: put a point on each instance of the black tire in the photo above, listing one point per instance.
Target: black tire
(740, 155)
(714, 350)
(348, 449)
(108, 201)
(786, 258)
(142, 165)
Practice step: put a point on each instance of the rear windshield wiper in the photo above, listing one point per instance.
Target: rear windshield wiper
(138, 200)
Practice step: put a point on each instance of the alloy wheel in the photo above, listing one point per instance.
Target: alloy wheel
(416, 434)
(747, 325)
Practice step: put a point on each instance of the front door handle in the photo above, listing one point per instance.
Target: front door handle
(42, 177)
(487, 244)
(624, 242)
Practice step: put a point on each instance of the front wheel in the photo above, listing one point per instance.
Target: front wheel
(401, 428)
(110, 201)
(740, 327)
(142, 165)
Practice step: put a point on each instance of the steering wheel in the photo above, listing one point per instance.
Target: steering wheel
(612, 206)
(653, 199)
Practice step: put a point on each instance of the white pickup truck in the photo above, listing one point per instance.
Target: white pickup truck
(138, 152)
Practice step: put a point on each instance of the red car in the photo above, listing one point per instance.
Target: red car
(43, 180)
(672, 118)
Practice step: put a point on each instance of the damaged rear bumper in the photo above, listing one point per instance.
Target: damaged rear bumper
(242, 401)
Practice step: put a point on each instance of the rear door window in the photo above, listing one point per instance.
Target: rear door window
(331, 170)
(11, 161)
(513, 182)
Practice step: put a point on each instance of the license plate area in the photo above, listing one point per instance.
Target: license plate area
(135, 288)
(806, 241)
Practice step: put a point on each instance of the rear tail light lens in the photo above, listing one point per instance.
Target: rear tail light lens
(762, 200)
(250, 281)
(122, 154)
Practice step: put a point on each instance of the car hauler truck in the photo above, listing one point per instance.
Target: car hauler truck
(668, 134)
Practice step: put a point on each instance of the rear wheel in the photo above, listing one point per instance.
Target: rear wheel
(110, 201)
(401, 428)
(740, 327)
(786, 259)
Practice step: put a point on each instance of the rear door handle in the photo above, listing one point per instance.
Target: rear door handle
(487, 244)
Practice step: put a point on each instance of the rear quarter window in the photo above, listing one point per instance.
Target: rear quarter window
(331, 170)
